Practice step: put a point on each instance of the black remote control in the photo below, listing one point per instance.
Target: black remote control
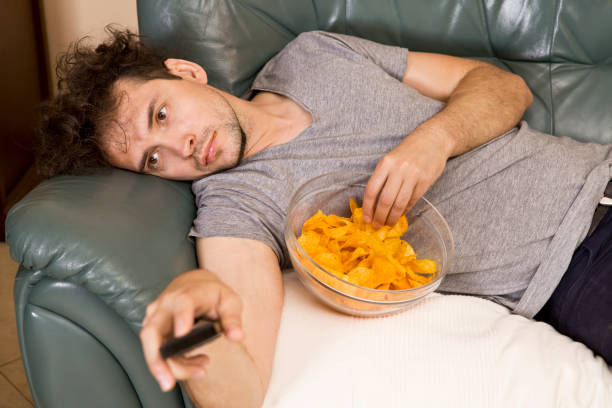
(203, 332)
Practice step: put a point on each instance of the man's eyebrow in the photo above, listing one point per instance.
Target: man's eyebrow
(143, 162)
(150, 113)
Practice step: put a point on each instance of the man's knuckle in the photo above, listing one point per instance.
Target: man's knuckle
(417, 171)
(146, 332)
(388, 161)
(183, 299)
(402, 199)
(150, 308)
(165, 299)
(171, 300)
(370, 194)
(386, 202)
(405, 166)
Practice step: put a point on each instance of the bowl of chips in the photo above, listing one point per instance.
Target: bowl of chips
(353, 267)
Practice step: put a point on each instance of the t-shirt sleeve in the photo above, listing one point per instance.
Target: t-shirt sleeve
(237, 210)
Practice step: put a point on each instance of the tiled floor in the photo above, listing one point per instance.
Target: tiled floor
(14, 391)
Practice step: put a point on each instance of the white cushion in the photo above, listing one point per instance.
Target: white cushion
(445, 351)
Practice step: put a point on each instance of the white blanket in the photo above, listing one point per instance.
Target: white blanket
(445, 351)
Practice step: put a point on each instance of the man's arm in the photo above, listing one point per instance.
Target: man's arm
(482, 102)
(240, 283)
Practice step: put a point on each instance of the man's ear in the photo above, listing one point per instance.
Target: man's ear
(186, 70)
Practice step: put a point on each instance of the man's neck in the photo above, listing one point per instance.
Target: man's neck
(269, 119)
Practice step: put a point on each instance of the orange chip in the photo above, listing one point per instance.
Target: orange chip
(384, 272)
(423, 266)
(331, 262)
(360, 275)
(354, 251)
(314, 221)
(309, 241)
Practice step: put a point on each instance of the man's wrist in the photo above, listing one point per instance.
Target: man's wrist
(442, 136)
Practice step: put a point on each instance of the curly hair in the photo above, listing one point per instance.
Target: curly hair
(71, 124)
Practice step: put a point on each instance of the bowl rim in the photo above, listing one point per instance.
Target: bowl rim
(449, 251)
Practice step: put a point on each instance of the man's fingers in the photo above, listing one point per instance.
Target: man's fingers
(195, 293)
(375, 184)
(151, 339)
(230, 314)
(385, 201)
(216, 302)
(184, 368)
(419, 191)
(151, 309)
(401, 203)
(183, 316)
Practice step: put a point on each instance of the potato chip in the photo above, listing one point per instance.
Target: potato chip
(423, 266)
(360, 274)
(360, 254)
(310, 242)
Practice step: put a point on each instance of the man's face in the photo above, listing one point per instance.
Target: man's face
(177, 129)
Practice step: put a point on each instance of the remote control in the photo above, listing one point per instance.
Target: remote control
(203, 332)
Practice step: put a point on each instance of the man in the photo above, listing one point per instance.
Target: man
(325, 102)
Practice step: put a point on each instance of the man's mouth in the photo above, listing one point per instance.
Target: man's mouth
(209, 151)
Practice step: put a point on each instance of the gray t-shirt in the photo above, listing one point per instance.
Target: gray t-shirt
(517, 206)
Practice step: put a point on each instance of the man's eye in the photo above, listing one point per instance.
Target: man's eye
(161, 114)
(153, 160)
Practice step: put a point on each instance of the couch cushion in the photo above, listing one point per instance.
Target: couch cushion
(565, 61)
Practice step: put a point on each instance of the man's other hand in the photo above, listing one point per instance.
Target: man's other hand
(402, 176)
(192, 294)
(482, 102)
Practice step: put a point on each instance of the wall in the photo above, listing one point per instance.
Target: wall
(23, 84)
(65, 21)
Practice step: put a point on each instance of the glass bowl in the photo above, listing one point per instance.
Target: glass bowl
(428, 234)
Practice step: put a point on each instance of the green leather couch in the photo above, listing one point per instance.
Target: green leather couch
(94, 251)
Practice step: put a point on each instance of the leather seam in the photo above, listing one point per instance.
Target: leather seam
(553, 36)
(346, 24)
(316, 13)
(486, 23)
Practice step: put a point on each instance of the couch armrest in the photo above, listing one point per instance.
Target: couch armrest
(120, 235)
(78, 352)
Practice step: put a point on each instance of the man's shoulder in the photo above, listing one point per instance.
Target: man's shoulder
(318, 39)
(314, 36)
(303, 65)
(310, 54)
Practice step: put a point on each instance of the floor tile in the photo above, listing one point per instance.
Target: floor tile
(15, 373)
(9, 346)
(14, 387)
(11, 398)
(7, 265)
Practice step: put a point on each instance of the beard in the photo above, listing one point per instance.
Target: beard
(238, 138)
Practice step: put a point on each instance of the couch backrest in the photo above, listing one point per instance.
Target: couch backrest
(562, 48)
